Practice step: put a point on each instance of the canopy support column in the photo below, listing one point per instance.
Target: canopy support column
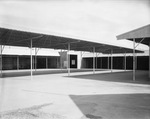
(111, 60)
(108, 62)
(17, 62)
(149, 60)
(68, 59)
(35, 59)
(81, 59)
(82, 53)
(93, 60)
(1, 63)
(36, 51)
(96, 61)
(61, 62)
(134, 59)
(31, 58)
(101, 62)
(46, 63)
(125, 60)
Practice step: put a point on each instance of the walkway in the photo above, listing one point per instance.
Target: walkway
(57, 96)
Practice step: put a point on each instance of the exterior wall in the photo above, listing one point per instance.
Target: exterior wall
(24, 62)
(63, 58)
(143, 62)
(53, 62)
(42, 62)
(10, 62)
(118, 62)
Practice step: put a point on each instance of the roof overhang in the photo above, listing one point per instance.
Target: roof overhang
(13, 37)
(141, 35)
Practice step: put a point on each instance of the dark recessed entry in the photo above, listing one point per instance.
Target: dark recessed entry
(73, 61)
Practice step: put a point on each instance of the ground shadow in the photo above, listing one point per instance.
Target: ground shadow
(125, 77)
(114, 106)
(19, 73)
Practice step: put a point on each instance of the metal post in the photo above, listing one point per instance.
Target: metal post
(17, 62)
(31, 57)
(46, 63)
(125, 61)
(111, 60)
(61, 62)
(133, 59)
(96, 61)
(81, 60)
(108, 61)
(1, 62)
(33, 62)
(93, 60)
(101, 62)
(58, 62)
(136, 61)
(68, 55)
(35, 59)
(149, 60)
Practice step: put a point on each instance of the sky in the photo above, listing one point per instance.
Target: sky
(92, 20)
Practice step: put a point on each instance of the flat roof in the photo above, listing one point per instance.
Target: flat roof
(141, 35)
(12, 37)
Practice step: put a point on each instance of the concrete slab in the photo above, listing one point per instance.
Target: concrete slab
(27, 72)
(60, 96)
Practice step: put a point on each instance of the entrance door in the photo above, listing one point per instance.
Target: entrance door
(73, 61)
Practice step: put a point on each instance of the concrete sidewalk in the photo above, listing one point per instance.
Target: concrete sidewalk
(52, 96)
(27, 72)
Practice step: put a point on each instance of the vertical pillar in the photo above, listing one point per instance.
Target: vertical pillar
(96, 61)
(111, 60)
(81, 60)
(93, 60)
(108, 62)
(17, 62)
(61, 61)
(58, 63)
(149, 60)
(68, 59)
(33, 62)
(1, 62)
(125, 61)
(133, 59)
(31, 58)
(136, 61)
(35, 59)
(101, 62)
(46, 63)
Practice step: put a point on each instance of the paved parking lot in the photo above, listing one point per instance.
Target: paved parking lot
(57, 96)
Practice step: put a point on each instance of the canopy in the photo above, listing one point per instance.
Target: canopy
(14, 37)
(141, 35)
